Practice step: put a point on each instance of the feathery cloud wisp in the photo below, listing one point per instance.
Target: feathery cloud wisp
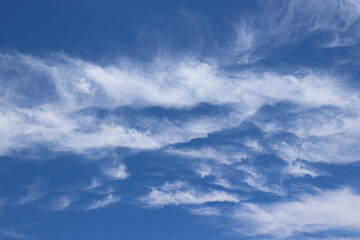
(179, 193)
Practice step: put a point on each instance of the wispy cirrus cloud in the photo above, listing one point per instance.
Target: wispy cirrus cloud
(300, 169)
(35, 192)
(224, 156)
(109, 199)
(206, 211)
(180, 193)
(95, 183)
(61, 203)
(68, 121)
(282, 23)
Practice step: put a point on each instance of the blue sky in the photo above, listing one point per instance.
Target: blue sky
(179, 119)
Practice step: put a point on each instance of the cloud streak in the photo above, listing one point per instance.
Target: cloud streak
(35, 192)
(109, 199)
(179, 193)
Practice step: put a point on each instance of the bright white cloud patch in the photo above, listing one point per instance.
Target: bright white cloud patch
(335, 210)
(300, 170)
(117, 172)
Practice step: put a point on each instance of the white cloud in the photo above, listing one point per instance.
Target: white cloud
(328, 210)
(179, 193)
(299, 169)
(253, 144)
(257, 180)
(117, 172)
(224, 183)
(154, 85)
(226, 157)
(204, 170)
(109, 199)
(338, 148)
